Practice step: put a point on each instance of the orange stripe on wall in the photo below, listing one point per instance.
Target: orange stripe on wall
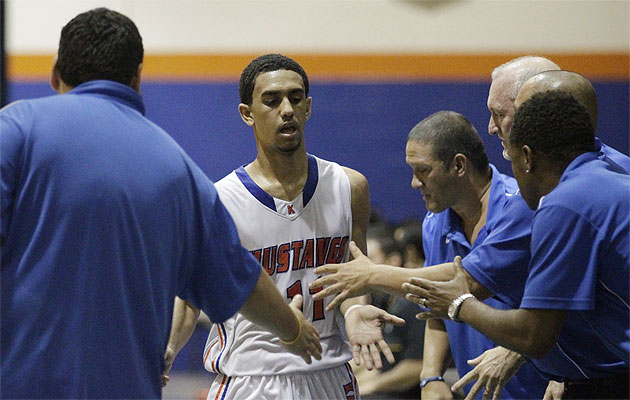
(365, 67)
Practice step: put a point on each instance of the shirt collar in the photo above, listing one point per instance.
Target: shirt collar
(114, 91)
(579, 161)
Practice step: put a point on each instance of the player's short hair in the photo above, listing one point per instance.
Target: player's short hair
(521, 69)
(555, 124)
(267, 63)
(450, 133)
(99, 44)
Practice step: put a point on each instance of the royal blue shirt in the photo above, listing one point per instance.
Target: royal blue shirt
(614, 156)
(580, 263)
(503, 241)
(104, 220)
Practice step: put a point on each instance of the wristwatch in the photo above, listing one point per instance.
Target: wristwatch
(425, 381)
(453, 309)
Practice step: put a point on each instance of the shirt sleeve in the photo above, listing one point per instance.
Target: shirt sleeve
(563, 269)
(11, 144)
(226, 273)
(500, 263)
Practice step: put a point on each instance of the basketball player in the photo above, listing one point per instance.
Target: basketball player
(294, 212)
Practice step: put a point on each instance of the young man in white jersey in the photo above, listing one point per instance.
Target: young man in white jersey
(293, 212)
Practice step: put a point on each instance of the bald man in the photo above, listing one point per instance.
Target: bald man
(506, 82)
(582, 90)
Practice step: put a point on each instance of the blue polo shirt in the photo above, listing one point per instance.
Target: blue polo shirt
(503, 241)
(614, 157)
(104, 220)
(580, 263)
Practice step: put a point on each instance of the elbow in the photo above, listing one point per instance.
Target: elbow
(537, 346)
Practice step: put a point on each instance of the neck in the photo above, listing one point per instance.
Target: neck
(281, 175)
(474, 206)
(546, 178)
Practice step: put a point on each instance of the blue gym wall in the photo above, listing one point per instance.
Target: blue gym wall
(360, 125)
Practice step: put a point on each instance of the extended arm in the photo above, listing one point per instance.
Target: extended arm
(531, 332)
(267, 308)
(361, 275)
(364, 322)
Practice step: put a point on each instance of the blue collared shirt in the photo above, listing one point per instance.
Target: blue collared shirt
(580, 263)
(502, 241)
(104, 220)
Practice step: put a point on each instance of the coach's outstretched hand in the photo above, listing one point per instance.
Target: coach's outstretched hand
(347, 280)
(364, 328)
(306, 344)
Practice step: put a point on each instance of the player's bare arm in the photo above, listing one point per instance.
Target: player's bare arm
(267, 308)
(363, 321)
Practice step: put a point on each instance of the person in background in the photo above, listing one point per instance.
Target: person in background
(399, 380)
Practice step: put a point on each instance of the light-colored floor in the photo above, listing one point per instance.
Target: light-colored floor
(194, 386)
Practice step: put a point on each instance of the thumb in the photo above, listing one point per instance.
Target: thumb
(459, 267)
(476, 360)
(296, 302)
(354, 250)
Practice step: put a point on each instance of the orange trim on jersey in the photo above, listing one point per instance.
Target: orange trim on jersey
(342, 67)
(220, 387)
(213, 364)
(205, 357)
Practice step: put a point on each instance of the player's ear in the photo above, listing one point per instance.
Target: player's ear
(308, 107)
(246, 114)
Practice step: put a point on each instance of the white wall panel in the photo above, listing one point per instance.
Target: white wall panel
(344, 26)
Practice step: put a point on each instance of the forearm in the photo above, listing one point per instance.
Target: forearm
(390, 279)
(405, 375)
(437, 351)
(267, 308)
(359, 300)
(528, 332)
(183, 325)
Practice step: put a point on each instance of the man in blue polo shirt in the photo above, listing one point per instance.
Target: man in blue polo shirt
(105, 220)
(574, 316)
(473, 212)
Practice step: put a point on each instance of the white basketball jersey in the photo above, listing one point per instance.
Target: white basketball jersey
(290, 239)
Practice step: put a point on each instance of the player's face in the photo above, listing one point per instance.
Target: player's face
(501, 107)
(434, 181)
(279, 111)
(525, 180)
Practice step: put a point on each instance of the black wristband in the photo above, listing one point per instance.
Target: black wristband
(426, 381)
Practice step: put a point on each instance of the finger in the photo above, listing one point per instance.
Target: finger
(487, 393)
(425, 315)
(387, 352)
(326, 269)
(334, 288)
(365, 352)
(392, 319)
(414, 299)
(414, 289)
(355, 250)
(337, 300)
(474, 390)
(296, 302)
(476, 360)
(356, 354)
(376, 356)
(498, 390)
(465, 380)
